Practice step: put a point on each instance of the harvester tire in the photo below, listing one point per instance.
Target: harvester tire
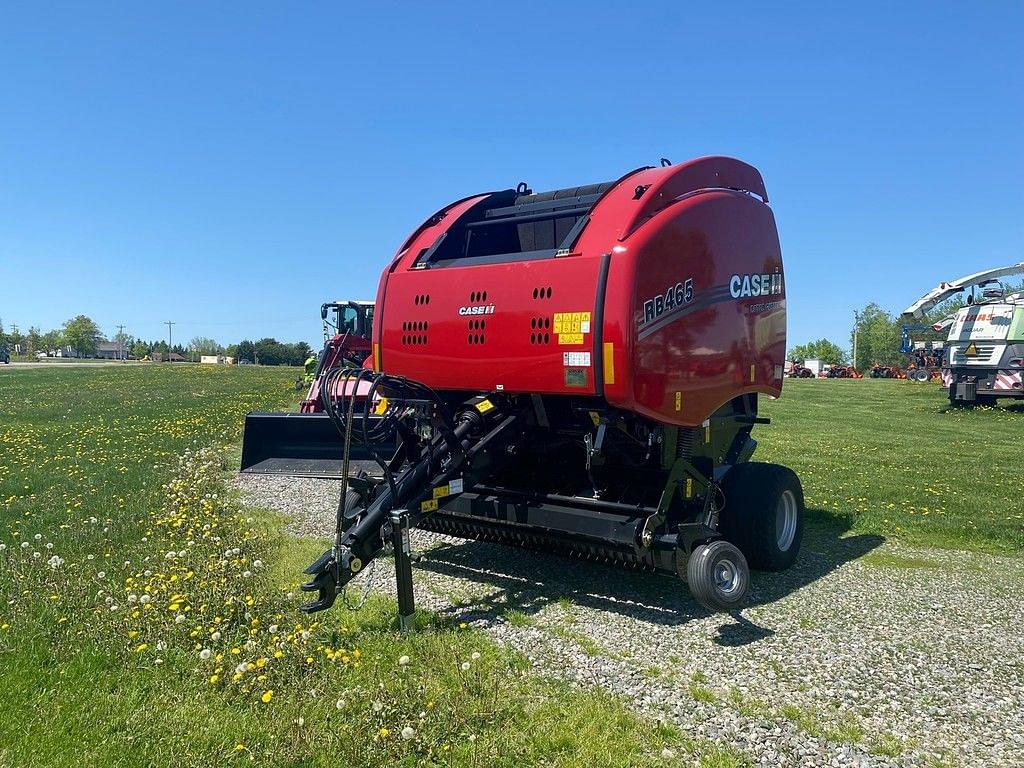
(764, 514)
(718, 575)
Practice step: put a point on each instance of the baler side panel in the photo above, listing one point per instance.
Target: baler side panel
(522, 327)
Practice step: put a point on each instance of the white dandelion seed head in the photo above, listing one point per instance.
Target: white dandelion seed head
(161, 645)
(215, 636)
(49, 545)
(408, 732)
(273, 629)
(101, 575)
(475, 656)
(667, 754)
(170, 556)
(205, 654)
(465, 666)
(403, 661)
(145, 599)
(179, 619)
(377, 706)
(340, 704)
(38, 536)
(246, 574)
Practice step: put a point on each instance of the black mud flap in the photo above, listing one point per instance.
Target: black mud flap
(301, 445)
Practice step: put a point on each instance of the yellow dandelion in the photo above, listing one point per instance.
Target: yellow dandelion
(266, 697)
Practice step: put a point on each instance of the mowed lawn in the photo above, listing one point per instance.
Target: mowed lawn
(146, 619)
(892, 458)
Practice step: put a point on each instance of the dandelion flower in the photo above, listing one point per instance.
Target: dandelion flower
(239, 747)
(266, 697)
(384, 733)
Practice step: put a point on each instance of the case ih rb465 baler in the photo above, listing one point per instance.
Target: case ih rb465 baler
(577, 370)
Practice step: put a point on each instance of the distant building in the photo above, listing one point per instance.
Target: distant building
(111, 350)
(216, 360)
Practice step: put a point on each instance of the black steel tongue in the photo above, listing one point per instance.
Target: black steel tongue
(324, 581)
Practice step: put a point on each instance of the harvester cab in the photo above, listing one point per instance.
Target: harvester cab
(575, 370)
(983, 357)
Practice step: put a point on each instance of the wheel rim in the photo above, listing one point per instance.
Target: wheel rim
(785, 521)
(727, 576)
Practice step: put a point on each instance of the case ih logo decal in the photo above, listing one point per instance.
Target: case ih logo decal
(480, 309)
(678, 295)
(745, 286)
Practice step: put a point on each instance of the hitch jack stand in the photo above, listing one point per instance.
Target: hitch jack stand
(403, 569)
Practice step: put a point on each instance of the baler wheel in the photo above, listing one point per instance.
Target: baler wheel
(764, 514)
(718, 575)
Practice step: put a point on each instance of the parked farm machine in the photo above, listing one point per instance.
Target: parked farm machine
(983, 358)
(575, 370)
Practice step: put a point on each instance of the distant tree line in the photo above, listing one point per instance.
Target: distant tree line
(82, 336)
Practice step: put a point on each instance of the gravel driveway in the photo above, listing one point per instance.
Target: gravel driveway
(865, 653)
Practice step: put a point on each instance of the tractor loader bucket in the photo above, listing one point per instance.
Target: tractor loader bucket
(301, 445)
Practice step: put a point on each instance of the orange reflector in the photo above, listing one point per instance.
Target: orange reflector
(376, 357)
(608, 362)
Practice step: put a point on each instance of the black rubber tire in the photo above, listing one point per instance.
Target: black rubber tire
(703, 569)
(753, 492)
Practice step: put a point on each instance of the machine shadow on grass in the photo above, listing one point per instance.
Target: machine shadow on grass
(526, 581)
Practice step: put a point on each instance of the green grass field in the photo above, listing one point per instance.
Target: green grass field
(146, 620)
(892, 458)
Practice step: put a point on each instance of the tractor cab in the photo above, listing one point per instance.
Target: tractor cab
(347, 318)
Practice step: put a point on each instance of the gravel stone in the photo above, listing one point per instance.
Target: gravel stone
(907, 657)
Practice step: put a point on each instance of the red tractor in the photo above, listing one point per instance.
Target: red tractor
(576, 369)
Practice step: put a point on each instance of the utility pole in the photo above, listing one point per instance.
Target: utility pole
(856, 328)
(168, 323)
(120, 342)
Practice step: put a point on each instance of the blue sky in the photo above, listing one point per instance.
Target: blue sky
(230, 166)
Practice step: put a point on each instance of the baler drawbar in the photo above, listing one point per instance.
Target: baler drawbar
(576, 370)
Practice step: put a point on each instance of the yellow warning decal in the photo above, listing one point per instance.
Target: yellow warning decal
(608, 362)
(595, 417)
(484, 406)
(752, 368)
(429, 506)
(679, 401)
(689, 487)
(441, 491)
(571, 327)
(972, 350)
